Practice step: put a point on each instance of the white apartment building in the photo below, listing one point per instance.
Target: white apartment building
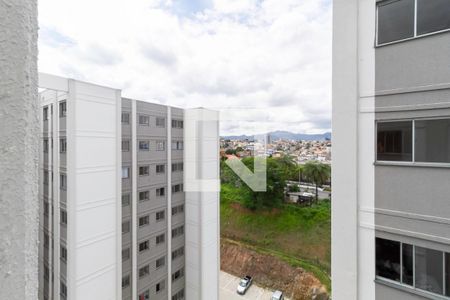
(120, 218)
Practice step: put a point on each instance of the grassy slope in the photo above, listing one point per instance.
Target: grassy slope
(299, 235)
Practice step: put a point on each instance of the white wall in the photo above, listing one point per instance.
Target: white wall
(94, 209)
(19, 150)
(202, 204)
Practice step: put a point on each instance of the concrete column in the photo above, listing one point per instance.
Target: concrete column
(19, 150)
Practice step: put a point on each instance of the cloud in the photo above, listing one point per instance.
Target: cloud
(272, 57)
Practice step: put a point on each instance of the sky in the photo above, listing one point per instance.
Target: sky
(264, 64)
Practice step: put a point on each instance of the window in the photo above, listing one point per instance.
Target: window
(125, 227)
(143, 171)
(178, 274)
(177, 167)
(160, 286)
(177, 231)
(407, 260)
(63, 290)
(432, 140)
(160, 145)
(125, 281)
(145, 295)
(143, 246)
(177, 209)
(144, 145)
(160, 215)
(144, 271)
(387, 255)
(160, 239)
(160, 262)
(403, 19)
(63, 217)
(125, 145)
(125, 118)
(63, 253)
(63, 181)
(447, 274)
(394, 141)
(45, 113)
(125, 172)
(395, 20)
(62, 145)
(160, 122)
(432, 16)
(160, 192)
(428, 265)
(177, 188)
(45, 145)
(125, 200)
(144, 120)
(177, 253)
(144, 196)
(62, 109)
(145, 220)
(177, 124)
(177, 145)
(179, 295)
(125, 254)
(160, 169)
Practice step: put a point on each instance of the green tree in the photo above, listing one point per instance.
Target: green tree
(318, 173)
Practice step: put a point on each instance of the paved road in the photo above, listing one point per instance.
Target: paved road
(228, 285)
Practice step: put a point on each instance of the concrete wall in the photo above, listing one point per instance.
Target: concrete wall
(19, 150)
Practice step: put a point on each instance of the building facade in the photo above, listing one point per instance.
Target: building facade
(391, 154)
(118, 230)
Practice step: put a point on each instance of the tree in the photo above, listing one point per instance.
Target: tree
(318, 173)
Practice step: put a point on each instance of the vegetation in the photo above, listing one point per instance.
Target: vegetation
(296, 234)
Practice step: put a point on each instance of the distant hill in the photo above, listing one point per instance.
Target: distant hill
(285, 135)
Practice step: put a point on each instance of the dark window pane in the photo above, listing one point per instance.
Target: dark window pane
(407, 269)
(432, 141)
(387, 259)
(432, 15)
(447, 273)
(394, 141)
(395, 21)
(429, 270)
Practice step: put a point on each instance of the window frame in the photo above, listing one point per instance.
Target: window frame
(412, 288)
(415, 35)
(144, 116)
(413, 162)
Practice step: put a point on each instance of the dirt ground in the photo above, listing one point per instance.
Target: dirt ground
(270, 272)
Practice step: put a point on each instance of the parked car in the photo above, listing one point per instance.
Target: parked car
(244, 284)
(277, 295)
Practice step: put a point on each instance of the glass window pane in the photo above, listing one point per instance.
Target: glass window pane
(432, 142)
(447, 274)
(432, 15)
(407, 268)
(387, 259)
(395, 21)
(394, 141)
(429, 270)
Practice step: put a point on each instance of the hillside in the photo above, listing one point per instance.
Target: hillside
(285, 135)
(289, 231)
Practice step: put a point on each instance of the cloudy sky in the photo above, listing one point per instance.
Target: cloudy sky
(266, 64)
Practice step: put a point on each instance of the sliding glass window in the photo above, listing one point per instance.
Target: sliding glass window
(387, 259)
(394, 141)
(429, 275)
(447, 274)
(432, 141)
(408, 264)
(432, 16)
(395, 20)
(399, 20)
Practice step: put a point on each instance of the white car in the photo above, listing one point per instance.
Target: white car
(277, 295)
(244, 284)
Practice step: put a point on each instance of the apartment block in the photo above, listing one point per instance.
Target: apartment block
(118, 231)
(391, 149)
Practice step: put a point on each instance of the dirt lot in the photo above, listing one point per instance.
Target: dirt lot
(270, 272)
